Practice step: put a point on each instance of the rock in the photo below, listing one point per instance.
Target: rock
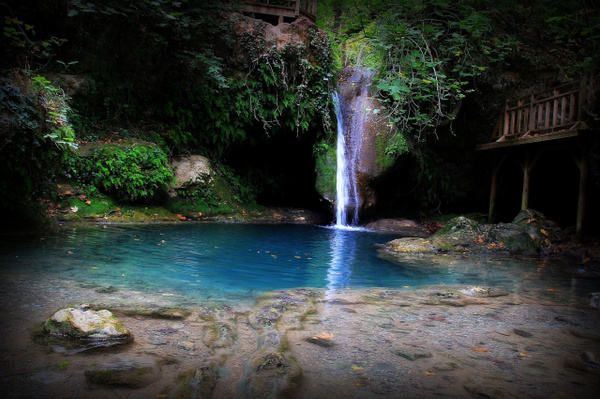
(405, 226)
(490, 388)
(357, 108)
(445, 366)
(523, 333)
(199, 383)
(463, 235)
(540, 229)
(514, 238)
(321, 341)
(131, 372)
(410, 245)
(221, 335)
(412, 354)
(85, 328)
(271, 375)
(483, 292)
(188, 346)
(584, 362)
(191, 169)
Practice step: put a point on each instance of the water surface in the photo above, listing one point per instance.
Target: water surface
(233, 261)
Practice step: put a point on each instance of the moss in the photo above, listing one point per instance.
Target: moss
(325, 166)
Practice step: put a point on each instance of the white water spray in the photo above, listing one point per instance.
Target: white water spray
(342, 184)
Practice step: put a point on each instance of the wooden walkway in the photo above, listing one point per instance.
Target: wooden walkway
(282, 9)
(531, 124)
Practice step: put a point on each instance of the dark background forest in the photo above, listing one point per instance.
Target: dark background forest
(191, 77)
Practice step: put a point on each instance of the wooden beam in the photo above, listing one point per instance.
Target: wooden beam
(529, 140)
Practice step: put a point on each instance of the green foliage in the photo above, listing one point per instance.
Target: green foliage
(18, 41)
(279, 90)
(325, 165)
(34, 133)
(132, 173)
(435, 182)
(220, 193)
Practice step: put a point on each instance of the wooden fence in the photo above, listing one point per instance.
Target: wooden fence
(549, 111)
(283, 8)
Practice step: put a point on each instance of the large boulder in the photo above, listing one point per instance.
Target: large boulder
(463, 235)
(83, 328)
(542, 230)
(191, 169)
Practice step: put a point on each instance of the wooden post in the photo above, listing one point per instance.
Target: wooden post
(582, 98)
(527, 167)
(582, 163)
(494, 189)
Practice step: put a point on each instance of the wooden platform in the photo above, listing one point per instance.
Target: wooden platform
(282, 10)
(529, 125)
(547, 115)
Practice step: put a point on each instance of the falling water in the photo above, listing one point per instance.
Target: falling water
(343, 174)
(351, 107)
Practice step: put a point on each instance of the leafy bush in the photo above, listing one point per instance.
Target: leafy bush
(34, 133)
(131, 172)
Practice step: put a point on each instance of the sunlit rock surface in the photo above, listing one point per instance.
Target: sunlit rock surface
(78, 329)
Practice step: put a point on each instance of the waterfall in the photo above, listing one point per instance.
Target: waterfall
(352, 112)
(342, 191)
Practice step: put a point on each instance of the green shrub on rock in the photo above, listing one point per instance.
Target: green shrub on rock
(132, 171)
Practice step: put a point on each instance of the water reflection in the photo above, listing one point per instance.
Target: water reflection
(342, 243)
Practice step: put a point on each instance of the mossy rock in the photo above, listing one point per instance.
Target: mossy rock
(542, 230)
(463, 235)
(83, 328)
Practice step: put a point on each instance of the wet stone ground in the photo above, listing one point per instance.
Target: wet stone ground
(433, 342)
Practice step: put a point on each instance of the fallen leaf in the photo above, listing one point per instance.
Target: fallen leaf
(523, 355)
(88, 202)
(323, 335)
(479, 349)
(553, 290)
(428, 373)
(356, 368)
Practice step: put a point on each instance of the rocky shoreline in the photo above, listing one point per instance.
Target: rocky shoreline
(449, 341)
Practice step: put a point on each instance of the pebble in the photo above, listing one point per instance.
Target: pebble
(188, 346)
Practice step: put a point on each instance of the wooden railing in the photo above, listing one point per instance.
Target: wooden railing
(554, 110)
(283, 8)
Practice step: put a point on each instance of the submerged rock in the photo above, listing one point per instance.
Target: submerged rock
(198, 383)
(271, 375)
(83, 328)
(131, 372)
